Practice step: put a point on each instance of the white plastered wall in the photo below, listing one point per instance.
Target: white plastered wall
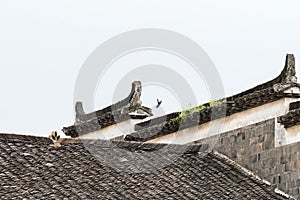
(113, 131)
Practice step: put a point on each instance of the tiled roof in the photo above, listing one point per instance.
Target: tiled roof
(32, 168)
(257, 96)
(118, 112)
(265, 93)
(243, 103)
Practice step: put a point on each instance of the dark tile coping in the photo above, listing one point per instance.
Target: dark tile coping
(208, 114)
(290, 119)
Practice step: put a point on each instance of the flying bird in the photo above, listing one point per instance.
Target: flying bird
(158, 103)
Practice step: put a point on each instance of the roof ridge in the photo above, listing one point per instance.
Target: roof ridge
(172, 148)
(32, 138)
(199, 117)
(12, 136)
(287, 75)
(132, 101)
(129, 145)
(115, 113)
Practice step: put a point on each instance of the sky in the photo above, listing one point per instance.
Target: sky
(44, 44)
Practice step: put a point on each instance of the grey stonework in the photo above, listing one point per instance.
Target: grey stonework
(280, 134)
(253, 147)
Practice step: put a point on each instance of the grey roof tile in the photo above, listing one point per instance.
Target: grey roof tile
(32, 167)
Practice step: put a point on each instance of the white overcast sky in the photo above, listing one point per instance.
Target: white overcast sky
(43, 45)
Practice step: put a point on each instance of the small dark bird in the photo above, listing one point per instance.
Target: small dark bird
(158, 103)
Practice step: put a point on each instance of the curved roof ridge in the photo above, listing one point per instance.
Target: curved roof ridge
(287, 75)
(262, 94)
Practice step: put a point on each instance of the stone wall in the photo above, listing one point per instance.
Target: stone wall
(253, 147)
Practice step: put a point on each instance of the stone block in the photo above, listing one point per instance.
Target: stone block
(294, 156)
(283, 159)
(272, 153)
(289, 167)
(298, 183)
(258, 147)
(282, 186)
(267, 145)
(285, 178)
(297, 164)
(260, 138)
(293, 175)
(233, 139)
(295, 192)
(273, 170)
(295, 148)
(259, 130)
(274, 179)
(240, 153)
(268, 163)
(226, 141)
(253, 158)
(252, 140)
(291, 184)
(280, 169)
(241, 136)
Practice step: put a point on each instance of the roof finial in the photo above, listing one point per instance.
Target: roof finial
(287, 78)
(135, 101)
(289, 71)
(55, 138)
(78, 111)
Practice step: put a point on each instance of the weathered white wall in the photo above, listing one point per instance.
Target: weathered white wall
(280, 134)
(235, 121)
(113, 131)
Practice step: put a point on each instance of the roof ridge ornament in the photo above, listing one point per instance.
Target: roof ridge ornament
(79, 110)
(288, 76)
(132, 103)
(135, 96)
(55, 138)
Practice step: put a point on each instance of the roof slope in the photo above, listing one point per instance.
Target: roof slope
(32, 167)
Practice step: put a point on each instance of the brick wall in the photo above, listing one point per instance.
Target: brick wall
(253, 147)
